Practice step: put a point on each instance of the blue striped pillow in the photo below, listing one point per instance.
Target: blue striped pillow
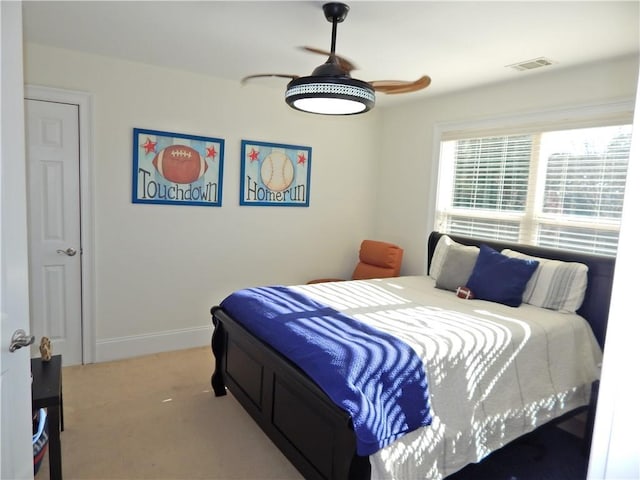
(555, 285)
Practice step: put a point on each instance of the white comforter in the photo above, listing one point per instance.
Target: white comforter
(494, 372)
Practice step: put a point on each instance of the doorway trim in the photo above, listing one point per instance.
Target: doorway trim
(84, 101)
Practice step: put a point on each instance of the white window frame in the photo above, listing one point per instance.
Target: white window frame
(572, 117)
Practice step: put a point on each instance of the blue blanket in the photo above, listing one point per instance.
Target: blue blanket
(378, 379)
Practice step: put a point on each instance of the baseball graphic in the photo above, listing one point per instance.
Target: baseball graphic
(277, 172)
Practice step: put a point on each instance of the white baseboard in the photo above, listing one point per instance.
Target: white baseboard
(119, 348)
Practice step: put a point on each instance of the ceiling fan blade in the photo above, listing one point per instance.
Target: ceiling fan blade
(344, 63)
(259, 75)
(400, 86)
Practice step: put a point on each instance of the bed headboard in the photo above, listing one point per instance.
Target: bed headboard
(595, 308)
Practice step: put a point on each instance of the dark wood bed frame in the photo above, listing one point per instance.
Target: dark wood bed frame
(309, 429)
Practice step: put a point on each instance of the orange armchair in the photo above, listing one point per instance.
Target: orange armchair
(377, 260)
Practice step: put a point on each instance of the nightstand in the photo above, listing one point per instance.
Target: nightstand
(46, 392)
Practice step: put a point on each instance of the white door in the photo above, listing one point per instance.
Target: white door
(55, 252)
(16, 460)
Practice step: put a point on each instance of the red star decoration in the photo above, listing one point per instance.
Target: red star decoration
(211, 152)
(253, 155)
(149, 146)
(301, 159)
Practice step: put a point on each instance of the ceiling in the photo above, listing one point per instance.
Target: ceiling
(459, 44)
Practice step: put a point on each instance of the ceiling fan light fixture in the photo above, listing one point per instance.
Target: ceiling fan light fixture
(330, 89)
(328, 95)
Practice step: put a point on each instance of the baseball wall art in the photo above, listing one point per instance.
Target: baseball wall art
(274, 174)
(177, 169)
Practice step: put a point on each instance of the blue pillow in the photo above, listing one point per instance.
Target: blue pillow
(498, 278)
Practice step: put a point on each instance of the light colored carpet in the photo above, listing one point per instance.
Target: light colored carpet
(156, 417)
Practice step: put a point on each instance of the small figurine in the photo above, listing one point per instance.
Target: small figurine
(45, 349)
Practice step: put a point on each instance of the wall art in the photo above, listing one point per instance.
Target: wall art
(274, 174)
(177, 169)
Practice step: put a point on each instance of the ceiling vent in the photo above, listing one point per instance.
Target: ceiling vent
(531, 64)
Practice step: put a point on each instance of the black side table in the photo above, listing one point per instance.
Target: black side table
(46, 392)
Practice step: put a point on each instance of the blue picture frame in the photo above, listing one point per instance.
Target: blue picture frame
(274, 174)
(177, 169)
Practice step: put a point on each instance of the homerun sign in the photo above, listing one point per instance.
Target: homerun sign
(274, 174)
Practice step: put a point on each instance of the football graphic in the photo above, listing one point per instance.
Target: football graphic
(277, 172)
(180, 164)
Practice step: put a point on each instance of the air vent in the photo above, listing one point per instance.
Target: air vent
(531, 64)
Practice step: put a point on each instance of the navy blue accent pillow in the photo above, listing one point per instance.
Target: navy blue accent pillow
(498, 278)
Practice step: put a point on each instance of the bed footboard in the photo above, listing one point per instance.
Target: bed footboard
(311, 431)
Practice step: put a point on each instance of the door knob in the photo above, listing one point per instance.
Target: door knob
(69, 251)
(20, 339)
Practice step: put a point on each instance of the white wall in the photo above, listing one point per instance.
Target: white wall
(160, 268)
(407, 166)
(615, 452)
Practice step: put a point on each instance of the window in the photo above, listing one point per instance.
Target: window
(557, 187)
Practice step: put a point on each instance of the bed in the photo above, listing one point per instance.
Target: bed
(487, 384)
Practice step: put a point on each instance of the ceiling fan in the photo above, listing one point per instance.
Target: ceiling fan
(330, 89)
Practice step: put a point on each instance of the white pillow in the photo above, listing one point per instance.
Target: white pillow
(555, 285)
(443, 248)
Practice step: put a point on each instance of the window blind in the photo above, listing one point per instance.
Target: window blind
(492, 173)
(559, 188)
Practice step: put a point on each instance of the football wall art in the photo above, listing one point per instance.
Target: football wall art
(274, 174)
(177, 169)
